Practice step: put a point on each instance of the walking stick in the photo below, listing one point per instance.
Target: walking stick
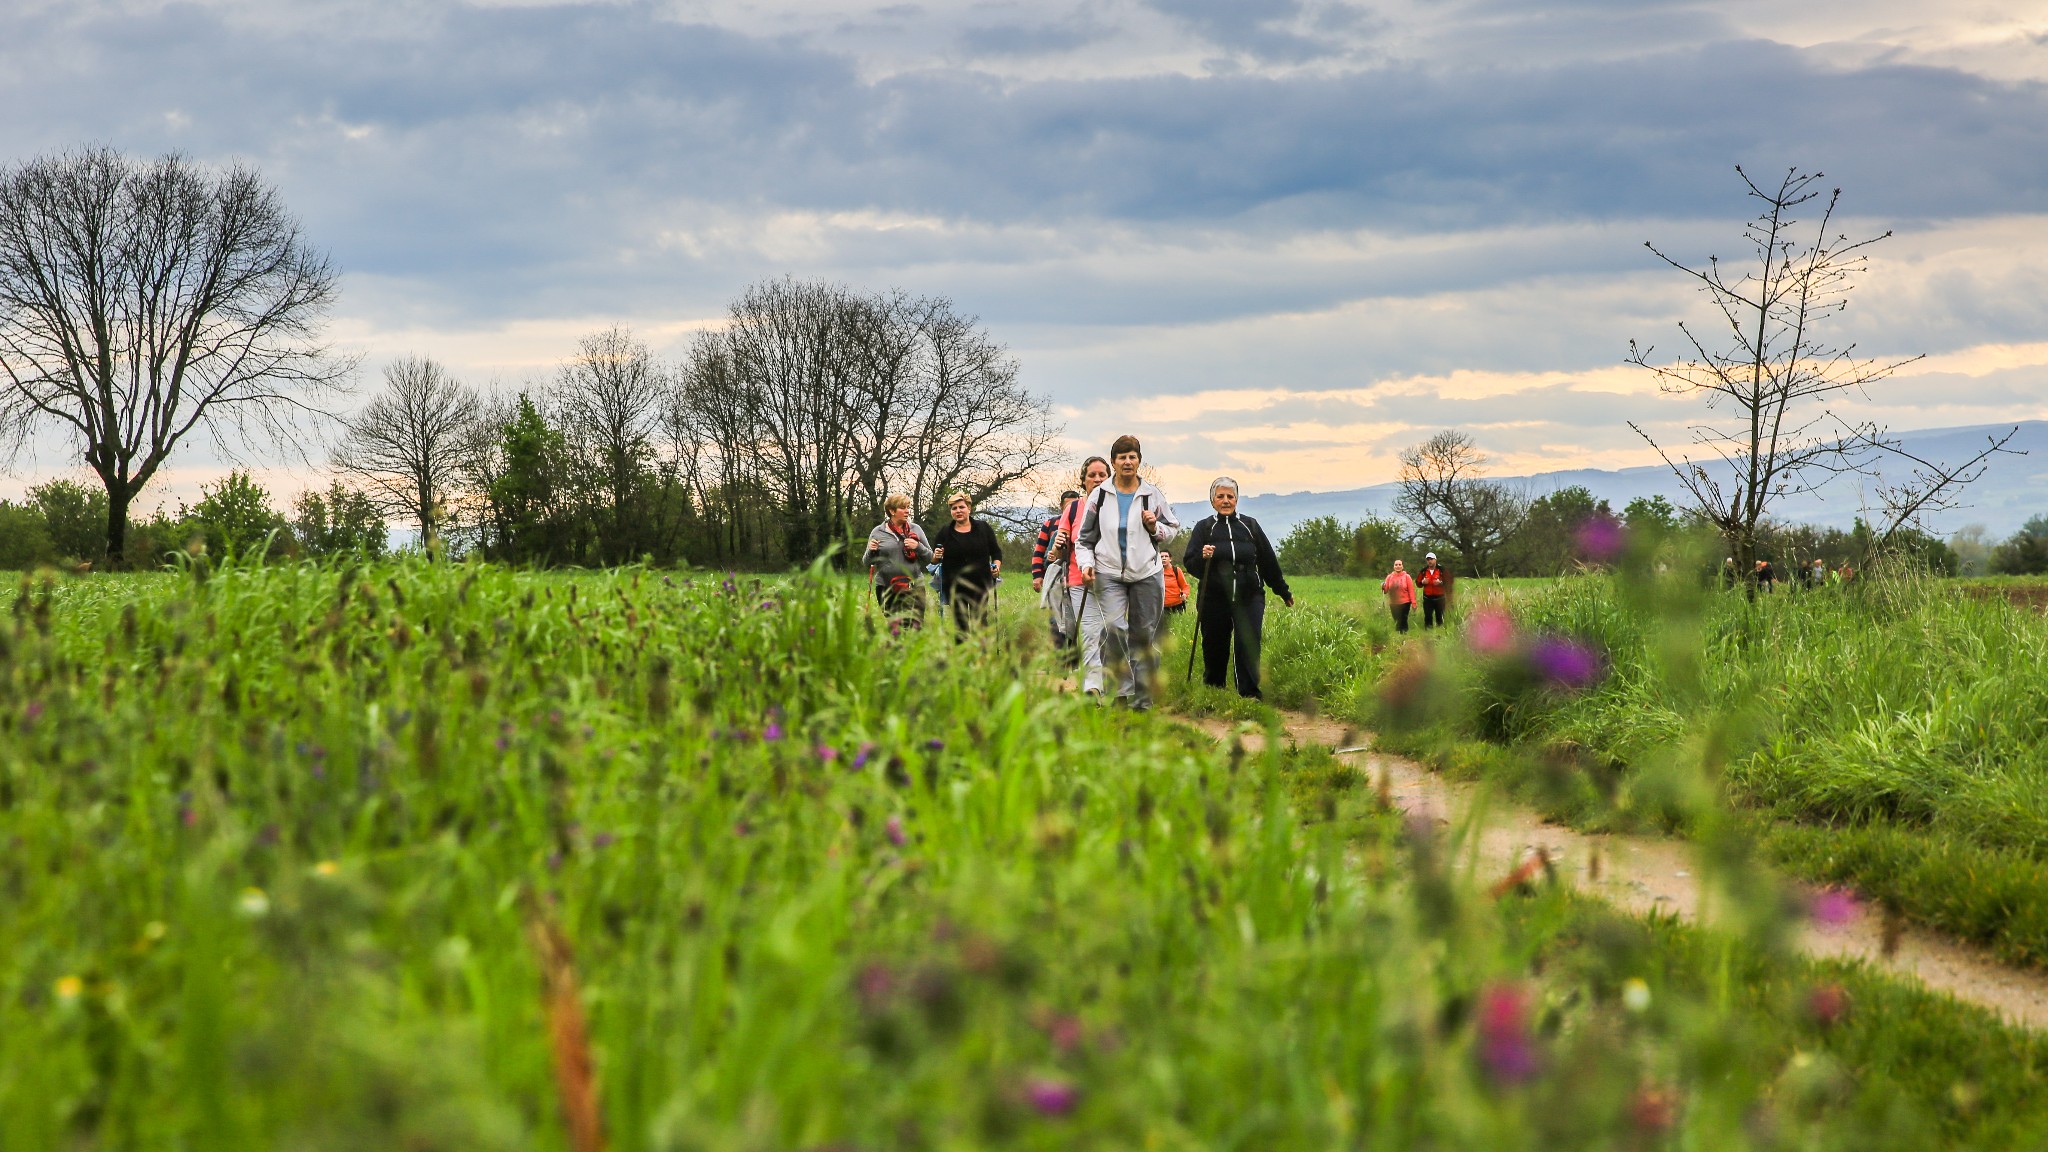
(1194, 642)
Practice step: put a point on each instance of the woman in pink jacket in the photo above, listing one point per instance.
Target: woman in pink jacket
(1400, 590)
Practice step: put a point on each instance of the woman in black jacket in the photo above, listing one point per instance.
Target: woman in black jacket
(970, 559)
(1234, 563)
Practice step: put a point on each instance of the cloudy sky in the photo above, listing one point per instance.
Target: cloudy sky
(1279, 238)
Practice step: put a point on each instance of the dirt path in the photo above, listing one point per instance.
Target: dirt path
(1642, 874)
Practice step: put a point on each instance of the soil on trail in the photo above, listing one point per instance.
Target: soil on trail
(1644, 874)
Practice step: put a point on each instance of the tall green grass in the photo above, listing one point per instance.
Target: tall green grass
(279, 842)
(1892, 734)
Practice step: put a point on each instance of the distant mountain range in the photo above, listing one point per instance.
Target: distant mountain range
(2014, 488)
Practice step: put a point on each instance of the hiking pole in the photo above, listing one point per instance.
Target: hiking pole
(1208, 570)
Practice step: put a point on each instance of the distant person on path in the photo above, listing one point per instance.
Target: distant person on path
(1233, 563)
(1766, 577)
(970, 559)
(1436, 587)
(1728, 573)
(1814, 575)
(1118, 548)
(1400, 590)
(1086, 607)
(1049, 571)
(896, 550)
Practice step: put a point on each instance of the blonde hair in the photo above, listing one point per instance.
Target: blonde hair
(894, 501)
(958, 497)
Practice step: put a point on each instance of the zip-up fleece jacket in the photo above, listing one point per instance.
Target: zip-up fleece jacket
(1095, 545)
(1244, 557)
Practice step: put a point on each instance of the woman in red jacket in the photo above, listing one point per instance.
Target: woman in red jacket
(1400, 590)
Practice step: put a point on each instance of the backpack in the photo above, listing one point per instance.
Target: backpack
(1176, 583)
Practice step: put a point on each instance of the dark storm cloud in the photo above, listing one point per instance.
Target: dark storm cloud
(532, 153)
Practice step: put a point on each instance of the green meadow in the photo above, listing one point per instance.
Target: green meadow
(425, 857)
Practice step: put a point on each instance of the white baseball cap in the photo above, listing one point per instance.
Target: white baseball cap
(1429, 555)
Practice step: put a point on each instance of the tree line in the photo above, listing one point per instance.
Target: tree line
(145, 302)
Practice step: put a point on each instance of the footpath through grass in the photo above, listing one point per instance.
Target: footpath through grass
(1891, 735)
(439, 857)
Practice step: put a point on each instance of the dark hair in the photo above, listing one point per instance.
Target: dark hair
(1093, 460)
(1069, 494)
(1125, 443)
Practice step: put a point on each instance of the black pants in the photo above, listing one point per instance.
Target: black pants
(1224, 622)
(971, 605)
(1432, 612)
(906, 605)
(1401, 616)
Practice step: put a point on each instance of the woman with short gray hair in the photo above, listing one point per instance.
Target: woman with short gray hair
(1235, 563)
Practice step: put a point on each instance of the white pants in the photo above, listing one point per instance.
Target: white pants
(1090, 617)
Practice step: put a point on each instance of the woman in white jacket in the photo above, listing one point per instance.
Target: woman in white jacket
(1122, 525)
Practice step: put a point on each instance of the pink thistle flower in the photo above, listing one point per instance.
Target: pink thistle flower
(826, 753)
(1490, 632)
(1832, 907)
(1506, 1048)
(894, 830)
(772, 732)
(1050, 1097)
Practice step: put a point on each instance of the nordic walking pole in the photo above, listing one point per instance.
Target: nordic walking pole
(1194, 642)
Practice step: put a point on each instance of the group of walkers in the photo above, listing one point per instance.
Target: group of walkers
(1806, 577)
(1103, 573)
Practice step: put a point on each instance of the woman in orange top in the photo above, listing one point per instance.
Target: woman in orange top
(1400, 590)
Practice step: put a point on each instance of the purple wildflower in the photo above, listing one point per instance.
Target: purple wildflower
(1050, 1097)
(772, 732)
(1505, 1046)
(866, 753)
(894, 829)
(1601, 538)
(1567, 664)
(1832, 907)
(602, 840)
(875, 984)
(935, 744)
(827, 753)
(503, 743)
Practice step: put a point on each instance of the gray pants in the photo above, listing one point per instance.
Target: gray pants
(1131, 610)
(1088, 618)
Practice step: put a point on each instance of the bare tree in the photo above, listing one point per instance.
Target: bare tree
(410, 443)
(977, 432)
(823, 400)
(1444, 498)
(609, 396)
(1771, 377)
(141, 300)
